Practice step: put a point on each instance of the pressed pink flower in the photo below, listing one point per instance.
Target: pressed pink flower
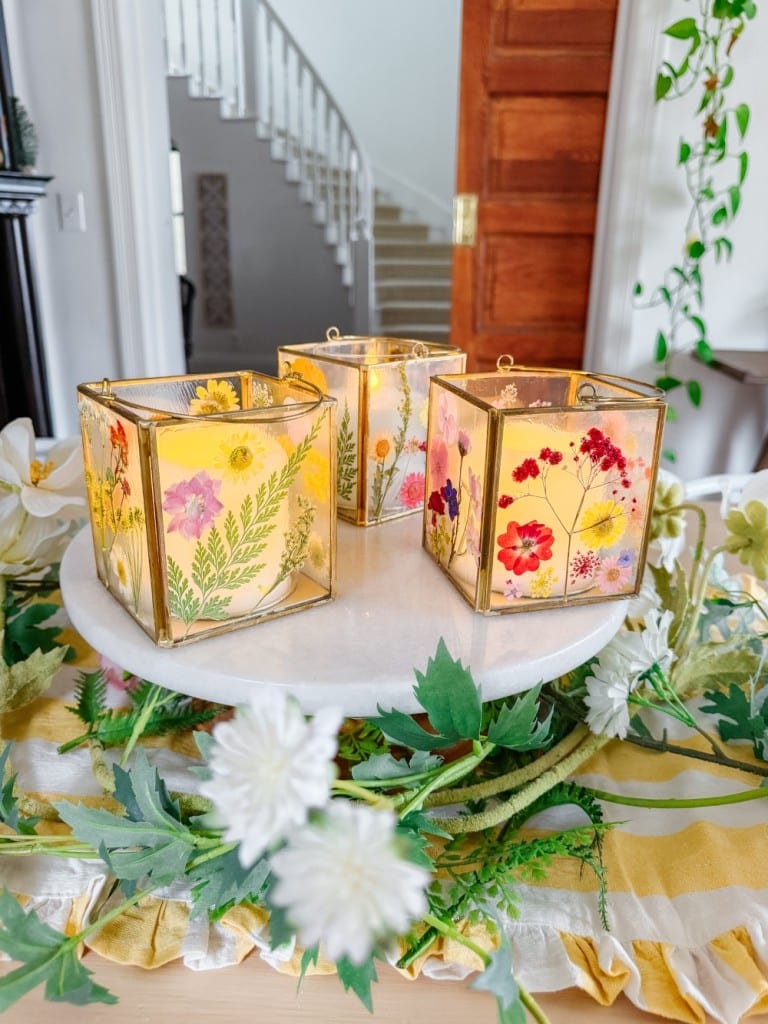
(446, 417)
(193, 504)
(465, 443)
(524, 547)
(613, 575)
(116, 676)
(438, 460)
(412, 490)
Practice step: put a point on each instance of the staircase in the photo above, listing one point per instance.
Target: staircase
(412, 274)
(240, 53)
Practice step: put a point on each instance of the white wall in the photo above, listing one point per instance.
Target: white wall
(641, 232)
(393, 68)
(90, 330)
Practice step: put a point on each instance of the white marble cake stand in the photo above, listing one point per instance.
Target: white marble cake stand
(358, 651)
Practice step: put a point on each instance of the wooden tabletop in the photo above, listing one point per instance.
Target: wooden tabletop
(255, 992)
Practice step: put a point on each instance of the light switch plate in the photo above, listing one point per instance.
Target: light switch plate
(71, 211)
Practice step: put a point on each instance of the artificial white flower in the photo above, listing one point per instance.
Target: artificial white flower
(344, 882)
(269, 765)
(646, 647)
(50, 485)
(28, 545)
(607, 699)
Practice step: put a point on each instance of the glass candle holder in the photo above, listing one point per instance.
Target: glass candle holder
(382, 389)
(211, 498)
(539, 485)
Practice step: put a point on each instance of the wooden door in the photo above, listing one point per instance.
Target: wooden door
(534, 86)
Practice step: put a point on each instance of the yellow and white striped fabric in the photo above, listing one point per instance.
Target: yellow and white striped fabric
(688, 889)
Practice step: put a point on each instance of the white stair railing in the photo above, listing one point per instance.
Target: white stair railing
(241, 52)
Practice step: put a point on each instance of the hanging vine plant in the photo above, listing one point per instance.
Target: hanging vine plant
(715, 163)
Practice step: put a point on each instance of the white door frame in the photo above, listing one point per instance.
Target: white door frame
(133, 105)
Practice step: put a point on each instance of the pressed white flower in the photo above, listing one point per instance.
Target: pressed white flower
(269, 765)
(50, 485)
(607, 699)
(344, 882)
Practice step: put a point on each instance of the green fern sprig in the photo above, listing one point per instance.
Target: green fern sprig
(113, 727)
(346, 458)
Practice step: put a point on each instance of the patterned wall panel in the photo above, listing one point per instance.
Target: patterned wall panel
(217, 303)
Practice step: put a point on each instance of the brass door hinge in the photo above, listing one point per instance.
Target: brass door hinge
(465, 218)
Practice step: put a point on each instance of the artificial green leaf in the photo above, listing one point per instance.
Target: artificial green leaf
(734, 194)
(743, 166)
(666, 294)
(385, 766)
(639, 728)
(450, 697)
(498, 978)
(359, 978)
(686, 28)
(668, 383)
(671, 414)
(750, 9)
(723, 246)
(309, 959)
(404, 730)
(708, 665)
(720, 215)
(223, 881)
(669, 455)
(727, 76)
(90, 697)
(704, 351)
(25, 681)
(684, 152)
(516, 726)
(742, 118)
(638, 289)
(661, 347)
(694, 392)
(738, 720)
(663, 85)
(696, 249)
(24, 634)
(281, 931)
(46, 957)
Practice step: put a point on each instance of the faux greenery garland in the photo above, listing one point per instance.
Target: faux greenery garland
(337, 828)
(714, 163)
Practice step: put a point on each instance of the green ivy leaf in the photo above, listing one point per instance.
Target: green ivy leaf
(663, 85)
(450, 697)
(47, 957)
(741, 114)
(720, 215)
(661, 347)
(668, 383)
(696, 249)
(359, 978)
(638, 289)
(694, 392)
(683, 153)
(743, 166)
(516, 727)
(723, 247)
(734, 194)
(704, 351)
(686, 28)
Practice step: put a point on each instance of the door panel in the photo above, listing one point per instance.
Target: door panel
(534, 85)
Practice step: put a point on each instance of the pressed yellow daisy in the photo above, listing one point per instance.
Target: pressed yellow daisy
(316, 474)
(602, 524)
(216, 396)
(240, 456)
(122, 573)
(380, 447)
(310, 372)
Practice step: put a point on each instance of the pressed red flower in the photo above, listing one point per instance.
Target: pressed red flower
(436, 503)
(505, 500)
(525, 546)
(118, 440)
(527, 468)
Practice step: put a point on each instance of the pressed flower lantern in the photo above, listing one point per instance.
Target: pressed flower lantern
(539, 485)
(382, 389)
(211, 499)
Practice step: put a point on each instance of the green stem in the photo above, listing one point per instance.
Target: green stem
(514, 779)
(218, 851)
(673, 802)
(452, 932)
(447, 775)
(662, 746)
(351, 788)
(531, 1005)
(157, 696)
(694, 608)
(517, 803)
(96, 926)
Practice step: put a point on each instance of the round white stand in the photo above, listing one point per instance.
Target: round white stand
(393, 604)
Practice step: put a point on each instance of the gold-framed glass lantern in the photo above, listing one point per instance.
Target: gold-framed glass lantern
(210, 498)
(382, 389)
(539, 485)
